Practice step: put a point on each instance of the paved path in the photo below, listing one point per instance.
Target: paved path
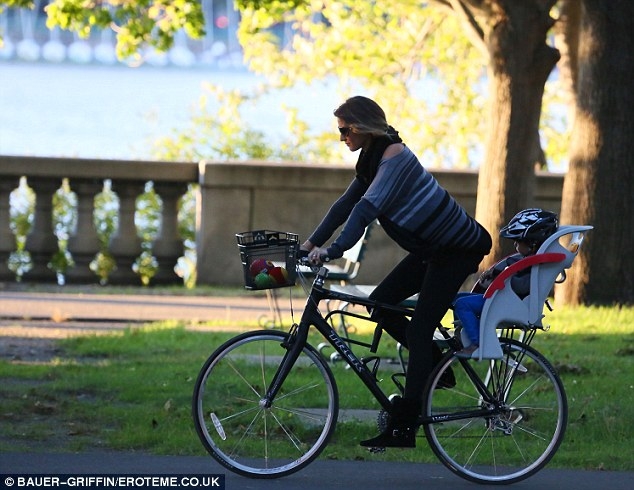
(137, 307)
(320, 475)
(30, 321)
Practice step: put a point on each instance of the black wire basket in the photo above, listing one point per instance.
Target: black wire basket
(268, 258)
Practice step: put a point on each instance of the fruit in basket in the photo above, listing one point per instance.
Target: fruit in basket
(263, 280)
(279, 275)
(260, 265)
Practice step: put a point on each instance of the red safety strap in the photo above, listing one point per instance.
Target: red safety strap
(531, 260)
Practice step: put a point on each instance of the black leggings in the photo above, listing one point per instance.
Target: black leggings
(437, 281)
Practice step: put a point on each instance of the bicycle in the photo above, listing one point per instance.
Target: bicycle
(265, 403)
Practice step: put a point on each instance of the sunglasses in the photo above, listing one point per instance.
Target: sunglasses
(345, 131)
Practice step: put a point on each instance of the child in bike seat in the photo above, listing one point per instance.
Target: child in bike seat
(528, 228)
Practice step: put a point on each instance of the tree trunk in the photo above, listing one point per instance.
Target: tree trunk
(567, 41)
(598, 186)
(520, 63)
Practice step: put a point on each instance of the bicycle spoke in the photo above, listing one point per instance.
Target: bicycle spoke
(297, 391)
(246, 381)
(248, 431)
(291, 436)
(526, 390)
(476, 449)
(257, 437)
(505, 442)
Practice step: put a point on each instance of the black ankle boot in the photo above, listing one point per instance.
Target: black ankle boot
(401, 426)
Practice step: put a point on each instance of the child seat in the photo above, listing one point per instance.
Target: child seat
(503, 307)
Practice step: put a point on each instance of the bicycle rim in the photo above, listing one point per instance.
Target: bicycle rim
(249, 438)
(516, 441)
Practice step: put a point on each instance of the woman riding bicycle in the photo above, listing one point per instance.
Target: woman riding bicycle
(445, 246)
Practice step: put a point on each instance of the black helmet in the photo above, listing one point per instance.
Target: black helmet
(531, 225)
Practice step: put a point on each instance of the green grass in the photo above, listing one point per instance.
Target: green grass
(132, 391)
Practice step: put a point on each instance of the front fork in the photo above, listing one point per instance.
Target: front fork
(294, 344)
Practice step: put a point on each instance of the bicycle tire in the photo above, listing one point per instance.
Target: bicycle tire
(508, 446)
(257, 441)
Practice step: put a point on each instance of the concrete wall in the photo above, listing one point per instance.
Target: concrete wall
(234, 197)
(294, 197)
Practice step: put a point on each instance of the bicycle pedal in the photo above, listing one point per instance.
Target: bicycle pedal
(376, 450)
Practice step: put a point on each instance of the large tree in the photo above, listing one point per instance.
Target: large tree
(597, 188)
(515, 33)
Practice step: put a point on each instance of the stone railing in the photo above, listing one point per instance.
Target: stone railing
(86, 178)
(233, 197)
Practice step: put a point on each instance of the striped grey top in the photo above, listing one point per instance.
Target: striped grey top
(412, 207)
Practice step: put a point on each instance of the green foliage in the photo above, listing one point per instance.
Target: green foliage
(106, 223)
(16, 4)
(407, 57)
(413, 59)
(215, 133)
(137, 23)
(21, 219)
(555, 126)
(218, 130)
(106, 214)
(64, 226)
(148, 222)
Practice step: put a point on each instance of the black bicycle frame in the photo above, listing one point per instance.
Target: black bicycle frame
(312, 317)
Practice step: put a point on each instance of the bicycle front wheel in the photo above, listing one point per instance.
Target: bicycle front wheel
(240, 430)
(504, 437)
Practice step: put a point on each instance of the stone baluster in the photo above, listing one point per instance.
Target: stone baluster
(169, 242)
(41, 242)
(84, 243)
(7, 239)
(126, 245)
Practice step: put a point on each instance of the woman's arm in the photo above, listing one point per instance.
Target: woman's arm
(336, 215)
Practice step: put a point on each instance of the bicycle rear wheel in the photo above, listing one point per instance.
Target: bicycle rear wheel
(509, 437)
(239, 430)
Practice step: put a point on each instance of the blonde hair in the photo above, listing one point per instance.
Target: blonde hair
(363, 115)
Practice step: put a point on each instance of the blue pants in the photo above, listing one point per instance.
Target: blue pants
(468, 308)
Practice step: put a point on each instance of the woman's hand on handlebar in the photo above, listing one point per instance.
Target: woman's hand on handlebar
(316, 256)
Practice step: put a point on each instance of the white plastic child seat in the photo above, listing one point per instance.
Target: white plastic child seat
(502, 306)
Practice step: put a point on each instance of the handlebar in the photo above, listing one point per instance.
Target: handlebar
(302, 259)
(318, 270)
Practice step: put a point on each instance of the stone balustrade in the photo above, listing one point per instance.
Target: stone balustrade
(233, 197)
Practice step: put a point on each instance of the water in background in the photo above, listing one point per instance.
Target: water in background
(64, 96)
(115, 112)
